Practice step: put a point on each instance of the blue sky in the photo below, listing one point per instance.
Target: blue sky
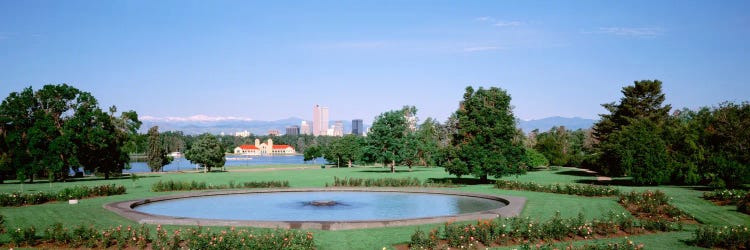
(276, 59)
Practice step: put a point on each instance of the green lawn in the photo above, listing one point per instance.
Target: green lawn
(540, 206)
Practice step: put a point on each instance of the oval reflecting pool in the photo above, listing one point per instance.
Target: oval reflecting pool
(320, 206)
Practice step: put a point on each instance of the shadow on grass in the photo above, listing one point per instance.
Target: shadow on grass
(462, 181)
(122, 177)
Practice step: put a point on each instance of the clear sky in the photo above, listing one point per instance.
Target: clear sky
(276, 59)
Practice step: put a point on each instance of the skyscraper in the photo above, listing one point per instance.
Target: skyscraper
(316, 120)
(320, 120)
(292, 130)
(338, 128)
(305, 128)
(357, 127)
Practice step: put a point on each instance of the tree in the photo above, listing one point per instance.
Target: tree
(554, 145)
(156, 155)
(312, 153)
(386, 138)
(345, 149)
(535, 159)
(727, 140)
(206, 152)
(428, 142)
(643, 100)
(640, 152)
(484, 141)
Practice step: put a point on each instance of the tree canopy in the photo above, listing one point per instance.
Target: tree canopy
(485, 139)
(206, 152)
(387, 138)
(59, 128)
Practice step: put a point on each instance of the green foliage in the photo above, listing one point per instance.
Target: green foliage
(23, 236)
(568, 188)
(727, 196)
(206, 152)
(642, 101)
(728, 237)
(639, 151)
(347, 149)
(535, 159)
(554, 146)
(505, 231)
(743, 205)
(156, 154)
(485, 140)
(2, 224)
(652, 203)
(389, 136)
(76, 192)
(385, 182)
(59, 128)
(312, 153)
(172, 185)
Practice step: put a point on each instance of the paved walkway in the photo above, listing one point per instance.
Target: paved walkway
(598, 177)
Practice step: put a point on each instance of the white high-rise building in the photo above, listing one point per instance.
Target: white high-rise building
(320, 120)
(338, 128)
(304, 128)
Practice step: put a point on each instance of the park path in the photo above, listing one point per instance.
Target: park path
(598, 177)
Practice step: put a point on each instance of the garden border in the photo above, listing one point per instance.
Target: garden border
(514, 206)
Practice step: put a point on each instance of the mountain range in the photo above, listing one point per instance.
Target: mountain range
(230, 125)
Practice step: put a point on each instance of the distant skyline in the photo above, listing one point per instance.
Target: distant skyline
(248, 60)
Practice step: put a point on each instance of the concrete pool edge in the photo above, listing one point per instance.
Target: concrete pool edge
(514, 206)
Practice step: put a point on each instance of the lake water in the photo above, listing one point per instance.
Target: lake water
(183, 164)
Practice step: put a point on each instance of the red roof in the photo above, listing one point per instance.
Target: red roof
(248, 147)
(282, 146)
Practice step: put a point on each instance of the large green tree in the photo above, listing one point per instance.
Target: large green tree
(55, 129)
(641, 101)
(346, 149)
(485, 140)
(207, 152)
(388, 134)
(156, 156)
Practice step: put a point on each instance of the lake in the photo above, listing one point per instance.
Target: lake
(232, 161)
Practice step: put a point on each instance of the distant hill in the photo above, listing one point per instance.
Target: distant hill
(227, 126)
(230, 125)
(545, 124)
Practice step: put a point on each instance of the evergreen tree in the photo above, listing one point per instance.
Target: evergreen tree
(157, 155)
(642, 101)
(485, 142)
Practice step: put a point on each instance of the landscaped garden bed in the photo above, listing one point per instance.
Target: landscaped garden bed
(171, 185)
(17, 199)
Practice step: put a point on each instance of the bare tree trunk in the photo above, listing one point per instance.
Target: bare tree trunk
(350, 163)
(393, 166)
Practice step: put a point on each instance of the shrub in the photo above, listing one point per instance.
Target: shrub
(23, 236)
(171, 185)
(386, 182)
(744, 204)
(731, 237)
(651, 203)
(422, 241)
(16, 199)
(572, 189)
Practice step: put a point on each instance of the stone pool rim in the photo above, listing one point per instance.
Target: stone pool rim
(513, 207)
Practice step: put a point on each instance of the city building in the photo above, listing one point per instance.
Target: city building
(338, 128)
(242, 134)
(292, 130)
(320, 120)
(274, 132)
(357, 127)
(305, 128)
(266, 148)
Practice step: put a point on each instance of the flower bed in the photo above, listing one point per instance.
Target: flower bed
(385, 182)
(170, 185)
(512, 231)
(729, 237)
(140, 237)
(653, 206)
(17, 199)
(726, 196)
(572, 189)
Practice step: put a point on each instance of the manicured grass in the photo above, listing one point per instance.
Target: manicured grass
(540, 206)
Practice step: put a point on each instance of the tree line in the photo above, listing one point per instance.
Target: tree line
(49, 132)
